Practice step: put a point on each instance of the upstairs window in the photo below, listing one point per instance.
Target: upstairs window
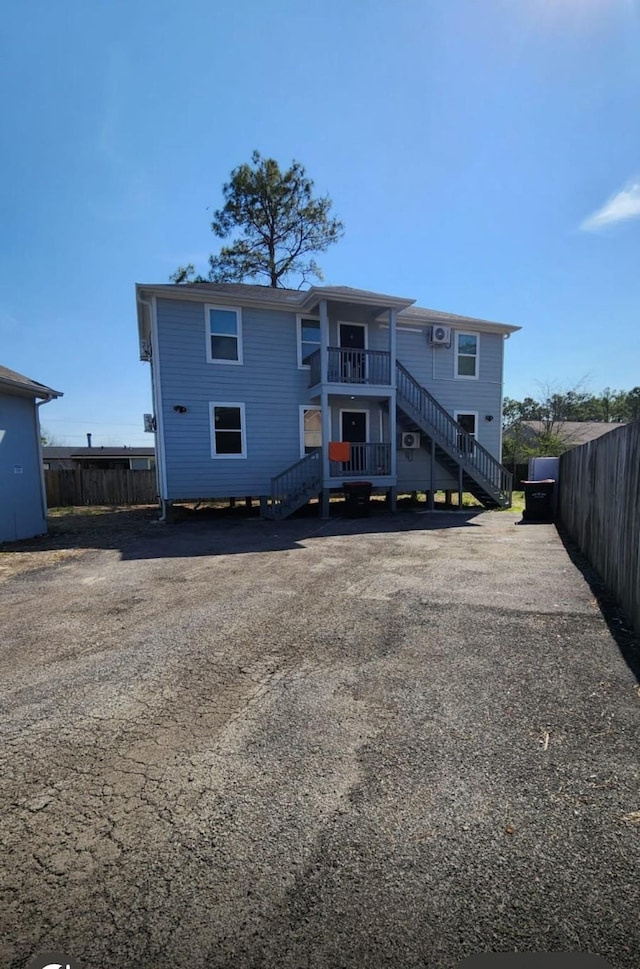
(467, 355)
(224, 334)
(227, 431)
(308, 339)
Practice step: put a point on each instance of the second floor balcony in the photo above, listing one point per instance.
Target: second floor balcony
(351, 366)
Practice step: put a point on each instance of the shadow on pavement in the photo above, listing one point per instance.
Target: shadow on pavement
(620, 627)
(137, 534)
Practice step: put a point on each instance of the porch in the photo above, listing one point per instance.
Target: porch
(370, 461)
(354, 367)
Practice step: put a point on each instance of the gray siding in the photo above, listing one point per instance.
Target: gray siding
(21, 507)
(272, 388)
(269, 384)
(434, 368)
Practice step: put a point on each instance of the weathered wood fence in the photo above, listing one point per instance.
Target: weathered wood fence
(520, 473)
(97, 487)
(600, 510)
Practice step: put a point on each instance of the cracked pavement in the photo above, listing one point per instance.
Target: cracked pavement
(387, 742)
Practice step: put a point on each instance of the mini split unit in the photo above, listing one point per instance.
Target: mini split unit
(440, 335)
(409, 440)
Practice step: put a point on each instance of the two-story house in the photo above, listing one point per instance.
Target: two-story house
(283, 395)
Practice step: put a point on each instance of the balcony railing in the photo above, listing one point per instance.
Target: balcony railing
(366, 460)
(347, 366)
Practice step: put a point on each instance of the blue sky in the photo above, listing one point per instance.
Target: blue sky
(484, 157)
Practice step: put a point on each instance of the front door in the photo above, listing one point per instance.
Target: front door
(352, 344)
(468, 423)
(354, 430)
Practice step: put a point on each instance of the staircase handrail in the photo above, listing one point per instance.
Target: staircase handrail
(285, 484)
(453, 433)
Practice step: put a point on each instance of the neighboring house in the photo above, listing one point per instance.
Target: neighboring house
(23, 503)
(106, 458)
(569, 433)
(285, 394)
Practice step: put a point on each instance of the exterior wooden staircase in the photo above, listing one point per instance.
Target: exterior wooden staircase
(471, 465)
(455, 450)
(293, 487)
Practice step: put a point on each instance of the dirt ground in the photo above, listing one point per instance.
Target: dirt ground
(394, 741)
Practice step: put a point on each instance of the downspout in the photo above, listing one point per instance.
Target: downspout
(506, 337)
(161, 503)
(43, 484)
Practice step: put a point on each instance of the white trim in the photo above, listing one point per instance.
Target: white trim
(212, 430)
(365, 326)
(299, 318)
(474, 414)
(301, 409)
(207, 329)
(156, 393)
(463, 376)
(355, 410)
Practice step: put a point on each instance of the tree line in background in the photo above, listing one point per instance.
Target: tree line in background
(552, 409)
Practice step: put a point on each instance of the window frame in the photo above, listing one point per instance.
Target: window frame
(476, 417)
(301, 409)
(208, 334)
(468, 413)
(212, 429)
(475, 356)
(299, 341)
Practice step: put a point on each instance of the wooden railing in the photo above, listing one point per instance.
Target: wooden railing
(296, 484)
(368, 460)
(347, 366)
(419, 403)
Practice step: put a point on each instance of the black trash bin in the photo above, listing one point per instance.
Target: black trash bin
(539, 500)
(358, 498)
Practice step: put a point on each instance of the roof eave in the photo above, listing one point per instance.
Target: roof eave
(318, 293)
(488, 326)
(287, 303)
(30, 389)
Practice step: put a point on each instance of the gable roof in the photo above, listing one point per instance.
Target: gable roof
(13, 382)
(421, 314)
(572, 433)
(297, 300)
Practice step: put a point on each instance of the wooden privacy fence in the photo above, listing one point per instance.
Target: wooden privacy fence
(97, 487)
(600, 509)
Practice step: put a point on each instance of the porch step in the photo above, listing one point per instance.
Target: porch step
(295, 486)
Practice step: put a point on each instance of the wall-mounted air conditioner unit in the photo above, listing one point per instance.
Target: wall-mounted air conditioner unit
(440, 335)
(409, 440)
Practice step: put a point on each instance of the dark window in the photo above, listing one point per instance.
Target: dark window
(227, 429)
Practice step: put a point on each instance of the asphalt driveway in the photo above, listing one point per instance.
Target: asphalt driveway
(393, 742)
